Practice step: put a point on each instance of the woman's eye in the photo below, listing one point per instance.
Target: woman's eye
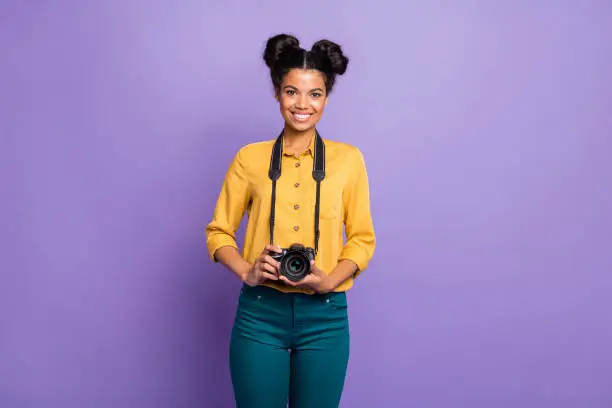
(316, 95)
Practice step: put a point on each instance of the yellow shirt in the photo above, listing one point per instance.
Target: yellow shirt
(344, 203)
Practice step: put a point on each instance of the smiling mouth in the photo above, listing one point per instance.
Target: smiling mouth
(301, 117)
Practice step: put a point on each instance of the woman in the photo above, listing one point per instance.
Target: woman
(290, 340)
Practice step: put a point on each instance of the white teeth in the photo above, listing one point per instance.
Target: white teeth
(301, 117)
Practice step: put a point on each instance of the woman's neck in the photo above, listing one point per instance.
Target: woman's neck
(297, 142)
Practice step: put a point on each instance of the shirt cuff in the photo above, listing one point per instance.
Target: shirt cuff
(216, 242)
(360, 257)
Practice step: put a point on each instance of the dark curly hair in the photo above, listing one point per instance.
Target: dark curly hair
(283, 53)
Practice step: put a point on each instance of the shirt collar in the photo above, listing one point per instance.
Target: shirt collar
(309, 150)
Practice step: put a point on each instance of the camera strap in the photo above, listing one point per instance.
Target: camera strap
(318, 174)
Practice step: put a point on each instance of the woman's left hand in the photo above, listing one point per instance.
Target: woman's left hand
(316, 280)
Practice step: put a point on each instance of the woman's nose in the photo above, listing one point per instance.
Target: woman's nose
(302, 102)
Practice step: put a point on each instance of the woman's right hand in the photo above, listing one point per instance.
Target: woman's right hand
(263, 268)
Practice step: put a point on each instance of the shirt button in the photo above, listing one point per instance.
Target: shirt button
(296, 207)
(296, 228)
(296, 185)
(298, 164)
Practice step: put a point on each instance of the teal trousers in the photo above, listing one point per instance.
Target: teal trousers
(289, 349)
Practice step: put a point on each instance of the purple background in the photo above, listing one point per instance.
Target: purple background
(486, 128)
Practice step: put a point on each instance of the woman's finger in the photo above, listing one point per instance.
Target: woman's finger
(290, 282)
(269, 275)
(268, 259)
(266, 267)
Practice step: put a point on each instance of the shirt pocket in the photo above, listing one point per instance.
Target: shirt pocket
(327, 212)
(330, 207)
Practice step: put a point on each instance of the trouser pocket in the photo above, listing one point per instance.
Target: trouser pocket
(336, 300)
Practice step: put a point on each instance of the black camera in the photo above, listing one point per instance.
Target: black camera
(294, 261)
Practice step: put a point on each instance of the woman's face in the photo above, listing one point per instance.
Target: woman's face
(302, 98)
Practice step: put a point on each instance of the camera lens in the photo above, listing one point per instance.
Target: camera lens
(295, 267)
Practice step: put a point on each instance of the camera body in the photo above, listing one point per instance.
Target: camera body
(294, 261)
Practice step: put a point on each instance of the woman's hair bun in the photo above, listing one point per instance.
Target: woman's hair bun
(277, 45)
(332, 52)
(283, 53)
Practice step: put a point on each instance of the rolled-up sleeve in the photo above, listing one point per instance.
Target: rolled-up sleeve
(230, 207)
(361, 240)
